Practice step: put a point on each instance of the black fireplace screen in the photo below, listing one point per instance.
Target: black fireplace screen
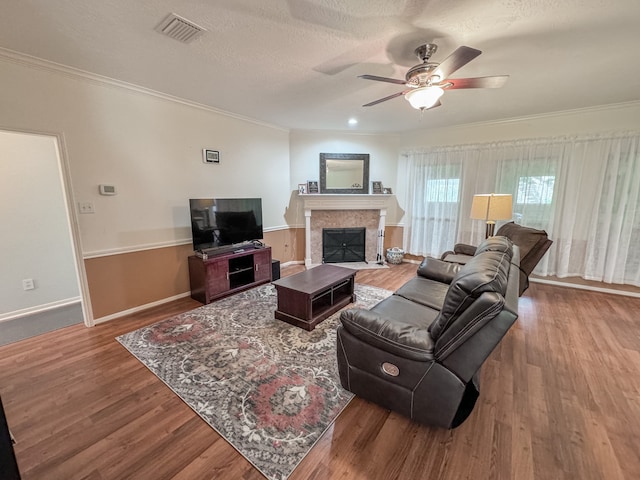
(343, 245)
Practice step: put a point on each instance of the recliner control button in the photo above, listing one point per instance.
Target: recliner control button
(390, 369)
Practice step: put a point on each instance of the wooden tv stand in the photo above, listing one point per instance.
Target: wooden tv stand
(228, 273)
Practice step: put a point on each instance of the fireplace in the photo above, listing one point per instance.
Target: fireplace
(344, 211)
(343, 245)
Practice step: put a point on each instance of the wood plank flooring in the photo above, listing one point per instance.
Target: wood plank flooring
(560, 399)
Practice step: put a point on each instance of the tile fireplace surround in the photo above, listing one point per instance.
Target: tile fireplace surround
(344, 211)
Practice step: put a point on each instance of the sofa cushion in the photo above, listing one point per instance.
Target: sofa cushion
(438, 270)
(487, 271)
(424, 291)
(395, 325)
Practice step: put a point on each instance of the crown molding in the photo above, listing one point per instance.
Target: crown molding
(76, 73)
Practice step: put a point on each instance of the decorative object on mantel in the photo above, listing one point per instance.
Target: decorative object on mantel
(376, 187)
(312, 186)
(387, 190)
(302, 188)
(491, 207)
(344, 173)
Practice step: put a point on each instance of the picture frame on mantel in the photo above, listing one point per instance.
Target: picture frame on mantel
(312, 186)
(387, 191)
(376, 187)
(302, 188)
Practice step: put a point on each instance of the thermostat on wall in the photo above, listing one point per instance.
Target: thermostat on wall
(107, 189)
(210, 156)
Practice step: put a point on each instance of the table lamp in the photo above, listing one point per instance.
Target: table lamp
(491, 207)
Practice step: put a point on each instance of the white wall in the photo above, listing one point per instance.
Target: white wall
(150, 148)
(36, 238)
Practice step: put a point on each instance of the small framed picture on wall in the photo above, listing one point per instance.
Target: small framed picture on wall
(376, 187)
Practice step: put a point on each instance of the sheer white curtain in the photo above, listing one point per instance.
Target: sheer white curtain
(584, 191)
(434, 196)
(613, 246)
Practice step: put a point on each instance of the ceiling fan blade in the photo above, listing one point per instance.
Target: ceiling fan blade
(382, 79)
(456, 60)
(495, 81)
(375, 102)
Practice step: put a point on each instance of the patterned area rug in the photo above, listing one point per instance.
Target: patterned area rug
(269, 388)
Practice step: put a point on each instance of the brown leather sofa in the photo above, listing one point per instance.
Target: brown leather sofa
(419, 351)
(533, 244)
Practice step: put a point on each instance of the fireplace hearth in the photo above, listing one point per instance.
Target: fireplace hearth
(343, 245)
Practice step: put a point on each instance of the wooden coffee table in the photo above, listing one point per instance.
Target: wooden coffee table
(307, 298)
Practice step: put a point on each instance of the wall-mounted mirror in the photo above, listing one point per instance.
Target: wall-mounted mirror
(344, 173)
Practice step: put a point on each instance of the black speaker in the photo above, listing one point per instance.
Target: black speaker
(275, 270)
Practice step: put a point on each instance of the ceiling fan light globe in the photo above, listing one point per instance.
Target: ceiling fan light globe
(424, 97)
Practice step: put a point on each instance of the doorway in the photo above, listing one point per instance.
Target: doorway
(40, 284)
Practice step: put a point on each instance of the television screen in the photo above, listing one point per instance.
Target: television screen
(216, 222)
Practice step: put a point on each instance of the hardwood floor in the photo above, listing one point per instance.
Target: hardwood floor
(560, 399)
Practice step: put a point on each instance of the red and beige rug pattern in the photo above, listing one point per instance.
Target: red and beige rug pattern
(269, 388)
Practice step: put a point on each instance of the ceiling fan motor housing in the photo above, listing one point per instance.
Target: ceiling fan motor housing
(424, 52)
(420, 74)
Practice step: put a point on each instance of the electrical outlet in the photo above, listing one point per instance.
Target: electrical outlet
(86, 207)
(27, 284)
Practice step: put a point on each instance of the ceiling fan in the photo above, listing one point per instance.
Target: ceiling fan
(427, 81)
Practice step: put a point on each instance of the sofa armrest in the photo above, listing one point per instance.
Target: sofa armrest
(464, 249)
(393, 336)
(438, 270)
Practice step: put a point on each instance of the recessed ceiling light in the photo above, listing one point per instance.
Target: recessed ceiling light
(353, 121)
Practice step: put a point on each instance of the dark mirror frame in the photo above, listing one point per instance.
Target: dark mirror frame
(344, 156)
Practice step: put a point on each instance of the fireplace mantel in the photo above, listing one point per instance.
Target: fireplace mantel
(325, 201)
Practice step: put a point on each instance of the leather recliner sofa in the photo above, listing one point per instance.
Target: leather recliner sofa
(419, 351)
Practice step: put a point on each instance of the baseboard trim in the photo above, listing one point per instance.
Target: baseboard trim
(39, 309)
(140, 308)
(292, 262)
(577, 286)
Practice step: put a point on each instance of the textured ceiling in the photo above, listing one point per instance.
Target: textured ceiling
(294, 63)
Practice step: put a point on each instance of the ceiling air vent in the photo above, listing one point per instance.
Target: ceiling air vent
(179, 28)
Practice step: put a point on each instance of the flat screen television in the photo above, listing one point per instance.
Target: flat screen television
(219, 222)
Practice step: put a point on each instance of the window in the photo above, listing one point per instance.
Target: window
(535, 190)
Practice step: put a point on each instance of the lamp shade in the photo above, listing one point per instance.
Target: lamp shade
(424, 97)
(491, 206)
